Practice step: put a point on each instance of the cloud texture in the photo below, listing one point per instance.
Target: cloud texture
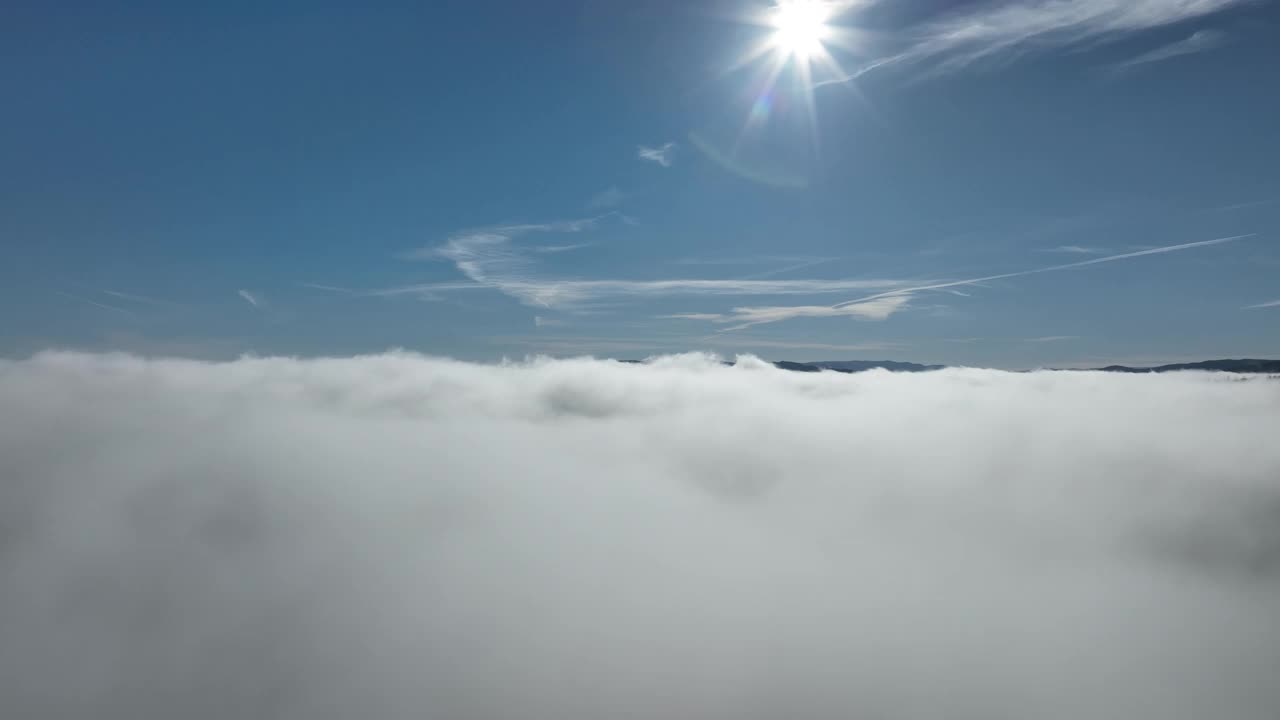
(398, 536)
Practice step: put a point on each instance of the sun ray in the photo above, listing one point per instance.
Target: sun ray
(763, 102)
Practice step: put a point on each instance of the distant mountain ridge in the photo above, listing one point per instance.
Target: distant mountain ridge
(859, 365)
(1245, 365)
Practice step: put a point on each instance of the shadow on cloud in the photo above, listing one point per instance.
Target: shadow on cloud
(400, 536)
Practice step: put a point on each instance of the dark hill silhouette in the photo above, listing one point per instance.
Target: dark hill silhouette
(1246, 365)
(857, 365)
(1238, 366)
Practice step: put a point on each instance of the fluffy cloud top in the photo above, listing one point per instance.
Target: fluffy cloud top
(398, 536)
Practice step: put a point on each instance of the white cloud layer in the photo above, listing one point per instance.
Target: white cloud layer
(395, 536)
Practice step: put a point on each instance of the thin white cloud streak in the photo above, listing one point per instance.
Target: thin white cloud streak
(750, 316)
(140, 298)
(250, 298)
(663, 155)
(1002, 30)
(877, 309)
(330, 288)
(1052, 338)
(1243, 205)
(752, 260)
(325, 539)
(1273, 303)
(1199, 41)
(95, 303)
(789, 268)
(551, 249)
(1083, 263)
(1078, 250)
(568, 293)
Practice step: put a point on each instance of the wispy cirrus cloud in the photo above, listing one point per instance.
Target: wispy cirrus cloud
(663, 155)
(490, 258)
(464, 243)
(877, 310)
(1009, 29)
(1199, 41)
(493, 258)
(549, 292)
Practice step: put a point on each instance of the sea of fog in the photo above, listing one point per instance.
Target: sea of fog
(398, 536)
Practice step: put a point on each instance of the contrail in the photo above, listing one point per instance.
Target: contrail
(1051, 268)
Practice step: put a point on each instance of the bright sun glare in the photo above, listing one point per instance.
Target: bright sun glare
(800, 26)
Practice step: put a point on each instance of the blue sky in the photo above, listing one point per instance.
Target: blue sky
(1012, 183)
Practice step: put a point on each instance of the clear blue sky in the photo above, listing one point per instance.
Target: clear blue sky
(487, 179)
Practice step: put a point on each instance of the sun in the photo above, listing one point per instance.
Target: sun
(791, 56)
(799, 27)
